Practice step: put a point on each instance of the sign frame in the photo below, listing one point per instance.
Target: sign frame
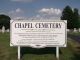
(40, 46)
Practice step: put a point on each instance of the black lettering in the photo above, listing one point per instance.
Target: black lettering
(18, 25)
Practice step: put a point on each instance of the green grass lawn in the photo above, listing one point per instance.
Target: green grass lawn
(71, 52)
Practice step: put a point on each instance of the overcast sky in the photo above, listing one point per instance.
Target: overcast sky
(36, 8)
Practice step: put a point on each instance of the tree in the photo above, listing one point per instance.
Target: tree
(5, 21)
(72, 17)
(76, 18)
(67, 14)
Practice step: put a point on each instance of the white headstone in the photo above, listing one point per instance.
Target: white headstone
(68, 30)
(3, 29)
(75, 30)
(79, 30)
(7, 30)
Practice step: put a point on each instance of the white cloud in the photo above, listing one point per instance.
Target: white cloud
(42, 17)
(18, 10)
(20, 17)
(22, 0)
(50, 11)
(16, 13)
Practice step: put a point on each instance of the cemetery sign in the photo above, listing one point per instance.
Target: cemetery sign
(38, 33)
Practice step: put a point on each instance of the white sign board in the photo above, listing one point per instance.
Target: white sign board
(38, 33)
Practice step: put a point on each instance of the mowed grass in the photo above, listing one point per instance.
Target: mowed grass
(71, 52)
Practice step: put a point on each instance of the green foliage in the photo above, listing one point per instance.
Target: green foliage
(71, 16)
(67, 15)
(76, 21)
(4, 21)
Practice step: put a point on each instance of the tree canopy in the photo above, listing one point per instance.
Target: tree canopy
(72, 17)
(76, 18)
(4, 21)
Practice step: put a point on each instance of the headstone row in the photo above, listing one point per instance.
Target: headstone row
(73, 30)
(4, 30)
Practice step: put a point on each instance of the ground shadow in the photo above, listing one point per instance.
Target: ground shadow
(77, 38)
(76, 56)
(47, 50)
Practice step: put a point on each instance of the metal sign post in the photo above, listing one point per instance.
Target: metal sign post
(18, 52)
(57, 53)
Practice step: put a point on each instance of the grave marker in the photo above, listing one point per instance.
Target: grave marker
(3, 29)
(75, 30)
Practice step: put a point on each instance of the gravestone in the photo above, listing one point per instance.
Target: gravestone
(3, 29)
(7, 30)
(68, 30)
(79, 29)
(75, 30)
